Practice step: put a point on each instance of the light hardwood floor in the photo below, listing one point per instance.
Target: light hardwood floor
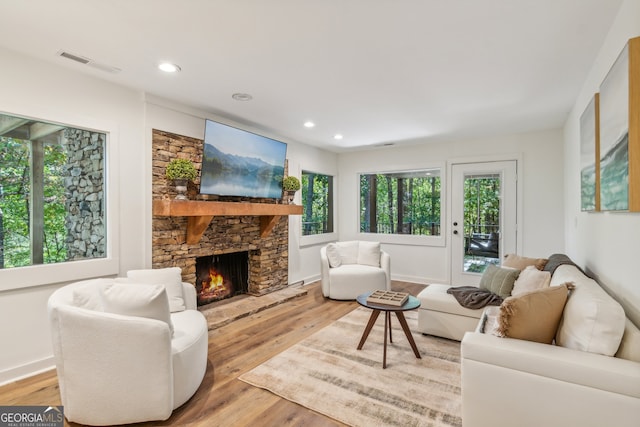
(222, 400)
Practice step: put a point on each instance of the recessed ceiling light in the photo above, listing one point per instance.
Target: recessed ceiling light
(168, 67)
(337, 136)
(309, 124)
(242, 97)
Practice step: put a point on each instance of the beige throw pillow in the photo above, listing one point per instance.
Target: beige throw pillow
(533, 316)
(520, 262)
(530, 279)
(498, 280)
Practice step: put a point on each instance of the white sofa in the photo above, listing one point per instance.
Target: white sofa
(118, 369)
(510, 382)
(351, 268)
(441, 315)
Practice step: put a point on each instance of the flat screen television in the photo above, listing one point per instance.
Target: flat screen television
(236, 162)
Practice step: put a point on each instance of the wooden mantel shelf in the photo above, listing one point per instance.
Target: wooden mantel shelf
(199, 214)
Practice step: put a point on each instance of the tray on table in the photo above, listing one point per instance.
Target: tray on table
(388, 298)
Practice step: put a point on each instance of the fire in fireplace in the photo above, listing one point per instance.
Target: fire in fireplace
(221, 276)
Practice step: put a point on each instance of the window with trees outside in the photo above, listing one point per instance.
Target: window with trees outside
(52, 193)
(317, 203)
(405, 202)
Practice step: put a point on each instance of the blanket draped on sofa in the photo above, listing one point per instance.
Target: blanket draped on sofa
(474, 298)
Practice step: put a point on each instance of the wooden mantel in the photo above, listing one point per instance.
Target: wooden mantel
(199, 214)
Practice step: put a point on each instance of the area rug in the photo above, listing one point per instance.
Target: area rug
(327, 374)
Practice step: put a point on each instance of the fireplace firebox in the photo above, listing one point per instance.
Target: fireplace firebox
(221, 276)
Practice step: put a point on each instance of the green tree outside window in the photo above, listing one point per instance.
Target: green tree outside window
(404, 202)
(317, 202)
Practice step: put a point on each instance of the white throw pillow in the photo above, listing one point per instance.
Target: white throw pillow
(170, 277)
(592, 321)
(140, 300)
(369, 254)
(530, 279)
(333, 255)
(348, 252)
(87, 295)
(491, 314)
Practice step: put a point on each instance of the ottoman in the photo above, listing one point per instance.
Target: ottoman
(441, 315)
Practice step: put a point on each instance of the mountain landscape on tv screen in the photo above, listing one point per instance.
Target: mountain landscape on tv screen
(234, 175)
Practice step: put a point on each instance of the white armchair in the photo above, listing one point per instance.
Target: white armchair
(351, 268)
(117, 368)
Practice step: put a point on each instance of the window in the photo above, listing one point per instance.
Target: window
(317, 203)
(52, 193)
(406, 202)
(482, 204)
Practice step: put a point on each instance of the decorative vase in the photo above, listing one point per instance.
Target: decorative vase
(181, 188)
(289, 195)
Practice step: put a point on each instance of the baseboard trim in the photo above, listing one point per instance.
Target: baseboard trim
(414, 279)
(26, 371)
(401, 278)
(309, 280)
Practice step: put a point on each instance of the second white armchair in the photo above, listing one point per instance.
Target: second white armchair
(351, 268)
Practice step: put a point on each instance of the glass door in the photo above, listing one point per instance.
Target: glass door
(483, 217)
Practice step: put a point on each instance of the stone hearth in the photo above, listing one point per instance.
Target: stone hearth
(226, 311)
(268, 255)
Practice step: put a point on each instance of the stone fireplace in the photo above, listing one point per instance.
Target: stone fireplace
(267, 253)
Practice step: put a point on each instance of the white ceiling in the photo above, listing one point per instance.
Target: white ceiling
(376, 71)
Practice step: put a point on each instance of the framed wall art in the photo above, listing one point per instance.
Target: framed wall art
(620, 132)
(590, 157)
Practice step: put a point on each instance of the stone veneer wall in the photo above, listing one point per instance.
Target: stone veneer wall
(268, 257)
(84, 191)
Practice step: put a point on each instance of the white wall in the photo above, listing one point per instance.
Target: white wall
(541, 174)
(49, 92)
(606, 244)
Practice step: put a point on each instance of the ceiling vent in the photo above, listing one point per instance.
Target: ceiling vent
(87, 61)
(73, 57)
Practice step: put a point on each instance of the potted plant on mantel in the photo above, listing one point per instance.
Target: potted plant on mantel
(181, 171)
(290, 185)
